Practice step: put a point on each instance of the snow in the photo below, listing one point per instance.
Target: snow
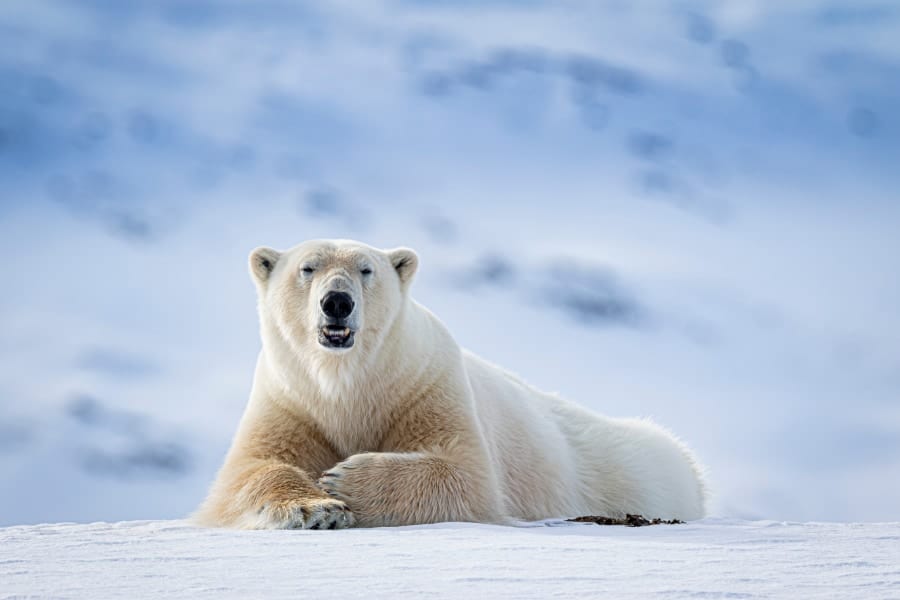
(713, 558)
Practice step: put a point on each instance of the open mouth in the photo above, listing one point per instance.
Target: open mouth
(336, 336)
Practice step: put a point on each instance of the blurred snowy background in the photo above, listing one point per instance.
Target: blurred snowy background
(687, 210)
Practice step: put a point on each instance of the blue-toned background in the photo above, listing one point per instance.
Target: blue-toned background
(687, 210)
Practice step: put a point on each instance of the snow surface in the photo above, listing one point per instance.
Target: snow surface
(705, 559)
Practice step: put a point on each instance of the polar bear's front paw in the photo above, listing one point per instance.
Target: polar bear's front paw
(317, 513)
(364, 482)
(343, 480)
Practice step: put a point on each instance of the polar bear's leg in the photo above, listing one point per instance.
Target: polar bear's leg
(280, 496)
(636, 466)
(405, 488)
(433, 467)
(266, 494)
(266, 481)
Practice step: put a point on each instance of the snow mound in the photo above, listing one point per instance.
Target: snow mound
(712, 558)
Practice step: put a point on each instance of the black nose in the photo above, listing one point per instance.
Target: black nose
(337, 305)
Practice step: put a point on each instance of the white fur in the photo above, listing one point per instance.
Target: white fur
(529, 454)
(583, 462)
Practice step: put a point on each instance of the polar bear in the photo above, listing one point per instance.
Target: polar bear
(364, 411)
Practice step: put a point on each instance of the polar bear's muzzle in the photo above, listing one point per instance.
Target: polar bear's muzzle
(336, 331)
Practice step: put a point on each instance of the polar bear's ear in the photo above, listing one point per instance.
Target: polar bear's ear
(405, 262)
(262, 263)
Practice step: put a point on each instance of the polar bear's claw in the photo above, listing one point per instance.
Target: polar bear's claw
(320, 513)
(334, 516)
(328, 485)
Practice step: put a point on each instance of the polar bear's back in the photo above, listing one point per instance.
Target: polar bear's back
(557, 458)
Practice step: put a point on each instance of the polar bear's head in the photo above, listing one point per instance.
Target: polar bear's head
(330, 298)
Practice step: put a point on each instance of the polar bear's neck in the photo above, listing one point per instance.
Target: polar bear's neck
(360, 386)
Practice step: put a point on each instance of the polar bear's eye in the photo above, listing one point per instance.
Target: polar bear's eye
(308, 270)
(366, 271)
